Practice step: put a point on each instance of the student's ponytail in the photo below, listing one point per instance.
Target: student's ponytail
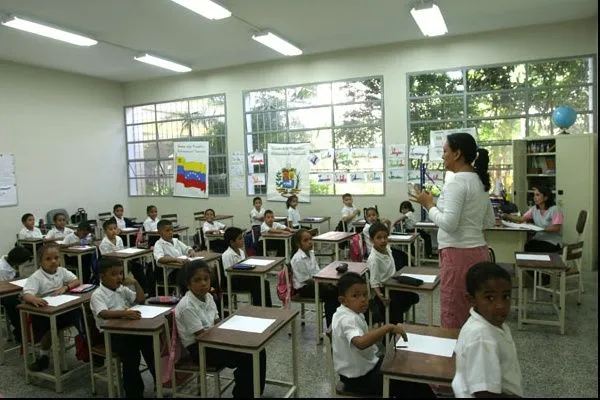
(472, 155)
(480, 165)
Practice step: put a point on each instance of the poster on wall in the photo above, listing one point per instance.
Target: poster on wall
(288, 170)
(438, 138)
(396, 163)
(8, 180)
(191, 169)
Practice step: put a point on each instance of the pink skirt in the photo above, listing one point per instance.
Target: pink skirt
(454, 264)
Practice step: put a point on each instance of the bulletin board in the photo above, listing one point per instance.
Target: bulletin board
(8, 180)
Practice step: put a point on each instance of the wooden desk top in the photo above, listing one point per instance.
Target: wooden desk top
(508, 229)
(404, 363)
(249, 340)
(277, 235)
(31, 240)
(178, 229)
(142, 324)
(126, 256)
(49, 310)
(8, 289)
(258, 269)
(392, 283)
(333, 236)
(360, 223)
(330, 274)
(217, 217)
(77, 249)
(411, 237)
(208, 256)
(314, 220)
(555, 263)
(214, 235)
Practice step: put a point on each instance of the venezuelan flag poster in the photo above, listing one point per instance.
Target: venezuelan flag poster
(191, 169)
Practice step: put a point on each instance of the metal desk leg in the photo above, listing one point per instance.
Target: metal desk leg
(80, 267)
(202, 360)
(337, 252)
(318, 313)
(125, 269)
(207, 240)
(387, 311)
(409, 255)
(263, 299)
(386, 387)
(430, 316)
(295, 355)
(109, 364)
(520, 309)
(157, 369)
(229, 296)
(256, 373)
(55, 353)
(286, 243)
(23, 317)
(264, 242)
(563, 287)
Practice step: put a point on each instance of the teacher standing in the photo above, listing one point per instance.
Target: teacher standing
(462, 212)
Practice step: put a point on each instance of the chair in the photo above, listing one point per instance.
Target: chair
(170, 217)
(222, 288)
(187, 366)
(337, 386)
(50, 216)
(572, 255)
(103, 216)
(299, 299)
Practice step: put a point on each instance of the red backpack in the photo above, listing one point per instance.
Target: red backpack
(285, 291)
(356, 252)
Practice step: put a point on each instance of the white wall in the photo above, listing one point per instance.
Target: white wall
(66, 132)
(391, 61)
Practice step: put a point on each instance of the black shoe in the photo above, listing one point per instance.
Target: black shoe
(40, 364)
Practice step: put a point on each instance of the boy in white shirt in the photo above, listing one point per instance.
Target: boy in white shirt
(486, 357)
(9, 271)
(110, 242)
(271, 226)
(167, 249)
(257, 214)
(81, 237)
(234, 255)
(381, 268)
(29, 231)
(112, 300)
(355, 347)
(211, 226)
(349, 212)
(59, 231)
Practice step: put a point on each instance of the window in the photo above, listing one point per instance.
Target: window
(341, 120)
(503, 102)
(151, 130)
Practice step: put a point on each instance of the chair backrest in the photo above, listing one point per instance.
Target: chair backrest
(169, 217)
(50, 215)
(581, 222)
(572, 251)
(198, 215)
(329, 356)
(103, 216)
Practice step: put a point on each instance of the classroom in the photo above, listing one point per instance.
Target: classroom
(89, 127)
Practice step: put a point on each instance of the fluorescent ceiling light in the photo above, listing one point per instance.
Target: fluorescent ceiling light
(429, 18)
(48, 31)
(273, 41)
(207, 8)
(161, 62)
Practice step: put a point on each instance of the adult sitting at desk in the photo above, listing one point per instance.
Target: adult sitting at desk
(462, 212)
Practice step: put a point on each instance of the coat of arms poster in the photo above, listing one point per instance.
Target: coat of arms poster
(288, 171)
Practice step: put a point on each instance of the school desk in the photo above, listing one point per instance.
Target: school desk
(127, 255)
(129, 232)
(177, 230)
(58, 360)
(505, 241)
(284, 236)
(78, 251)
(6, 289)
(426, 288)
(260, 271)
(359, 225)
(281, 220)
(336, 238)
(310, 221)
(329, 274)
(209, 257)
(33, 243)
(419, 367)
(141, 327)
(208, 237)
(251, 343)
(431, 228)
(406, 240)
(554, 266)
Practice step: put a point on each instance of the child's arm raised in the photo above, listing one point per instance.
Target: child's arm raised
(374, 336)
(140, 297)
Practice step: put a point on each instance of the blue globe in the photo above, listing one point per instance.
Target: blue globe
(564, 116)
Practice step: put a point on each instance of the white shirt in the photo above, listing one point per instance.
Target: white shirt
(172, 249)
(348, 211)
(106, 246)
(71, 238)
(294, 217)
(120, 222)
(255, 215)
(409, 221)
(41, 283)
(7, 272)
(105, 299)
(486, 359)
(58, 234)
(381, 267)
(150, 224)
(230, 257)
(193, 315)
(276, 225)
(304, 266)
(349, 360)
(35, 233)
(214, 226)
(462, 212)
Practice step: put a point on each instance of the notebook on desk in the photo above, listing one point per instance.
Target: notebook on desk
(243, 266)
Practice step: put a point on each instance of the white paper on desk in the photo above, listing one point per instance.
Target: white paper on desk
(131, 250)
(190, 258)
(59, 241)
(256, 261)
(247, 324)
(530, 227)
(56, 301)
(399, 237)
(150, 311)
(425, 224)
(81, 247)
(424, 278)
(533, 257)
(20, 282)
(428, 345)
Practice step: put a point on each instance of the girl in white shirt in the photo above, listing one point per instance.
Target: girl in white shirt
(304, 267)
(234, 255)
(462, 212)
(293, 215)
(213, 227)
(196, 313)
(152, 219)
(60, 231)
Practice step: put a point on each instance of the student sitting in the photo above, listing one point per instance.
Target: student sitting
(407, 217)
(197, 312)
(81, 237)
(211, 226)
(349, 212)
(49, 280)
(9, 271)
(29, 230)
(269, 225)
(354, 346)
(59, 231)
(120, 220)
(304, 267)
(167, 249)
(112, 300)
(381, 267)
(234, 255)
(486, 357)
(152, 219)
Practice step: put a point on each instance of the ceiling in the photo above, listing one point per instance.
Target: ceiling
(125, 28)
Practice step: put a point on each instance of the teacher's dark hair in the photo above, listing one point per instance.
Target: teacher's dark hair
(472, 155)
(546, 192)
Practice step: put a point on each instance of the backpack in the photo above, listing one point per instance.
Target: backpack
(356, 252)
(285, 291)
(79, 216)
